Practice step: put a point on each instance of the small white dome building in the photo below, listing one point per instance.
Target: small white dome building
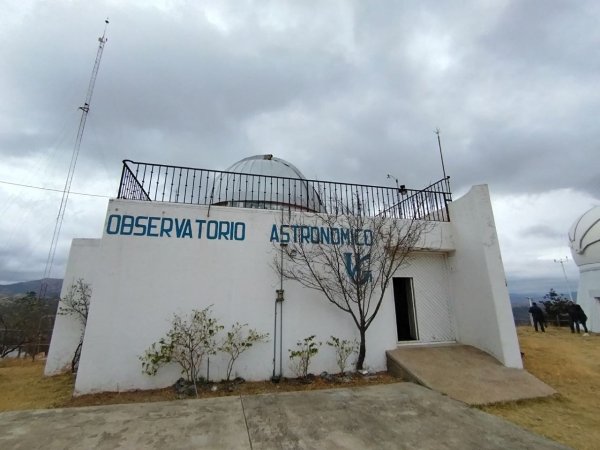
(584, 240)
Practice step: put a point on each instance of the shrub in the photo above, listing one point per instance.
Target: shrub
(343, 349)
(77, 303)
(236, 343)
(189, 340)
(300, 358)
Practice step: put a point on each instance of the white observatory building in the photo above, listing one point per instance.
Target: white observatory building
(584, 240)
(182, 238)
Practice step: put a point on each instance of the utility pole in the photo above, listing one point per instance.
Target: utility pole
(530, 305)
(562, 264)
(85, 109)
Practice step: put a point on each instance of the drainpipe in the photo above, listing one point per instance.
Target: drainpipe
(279, 297)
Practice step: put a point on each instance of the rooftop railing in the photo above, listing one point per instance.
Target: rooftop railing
(162, 183)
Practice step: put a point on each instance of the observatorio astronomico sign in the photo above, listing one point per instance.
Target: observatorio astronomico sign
(186, 228)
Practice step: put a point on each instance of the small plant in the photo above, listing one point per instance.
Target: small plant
(77, 303)
(188, 341)
(236, 343)
(300, 358)
(344, 348)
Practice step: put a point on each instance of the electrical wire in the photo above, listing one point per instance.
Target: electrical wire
(52, 190)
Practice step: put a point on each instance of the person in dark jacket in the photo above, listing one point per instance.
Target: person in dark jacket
(573, 317)
(538, 317)
(576, 317)
(581, 318)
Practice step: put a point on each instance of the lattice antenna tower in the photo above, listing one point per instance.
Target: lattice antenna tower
(85, 109)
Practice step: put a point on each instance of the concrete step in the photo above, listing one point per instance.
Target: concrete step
(464, 373)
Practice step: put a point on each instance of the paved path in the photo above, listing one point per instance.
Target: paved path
(392, 416)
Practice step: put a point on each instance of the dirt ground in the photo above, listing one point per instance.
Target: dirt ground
(570, 363)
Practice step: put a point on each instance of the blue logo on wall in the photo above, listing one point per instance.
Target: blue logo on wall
(354, 268)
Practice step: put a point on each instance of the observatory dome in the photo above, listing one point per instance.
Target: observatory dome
(266, 182)
(584, 238)
(267, 165)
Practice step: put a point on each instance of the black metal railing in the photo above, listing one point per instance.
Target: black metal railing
(158, 182)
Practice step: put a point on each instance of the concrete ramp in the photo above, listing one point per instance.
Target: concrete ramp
(464, 373)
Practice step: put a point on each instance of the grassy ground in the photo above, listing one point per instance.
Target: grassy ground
(23, 386)
(570, 363)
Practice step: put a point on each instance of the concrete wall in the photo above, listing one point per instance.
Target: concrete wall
(146, 279)
(588, 294)
(481, 303)
(68, 328)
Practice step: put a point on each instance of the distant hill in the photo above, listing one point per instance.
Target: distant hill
(53, 289)
(517, 299)
(521, 314)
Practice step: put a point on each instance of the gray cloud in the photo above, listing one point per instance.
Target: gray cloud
(543, 231)
(347, 92)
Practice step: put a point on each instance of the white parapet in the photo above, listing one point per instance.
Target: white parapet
(481, 302)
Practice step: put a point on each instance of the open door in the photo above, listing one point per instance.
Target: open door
(406, 318)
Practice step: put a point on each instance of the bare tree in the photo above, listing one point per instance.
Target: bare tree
(77, 303)
(351, 259)
(21, 320)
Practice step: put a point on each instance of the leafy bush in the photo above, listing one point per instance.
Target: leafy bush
(236, 343)
(344, 348)
(189, 340)
(300, 358)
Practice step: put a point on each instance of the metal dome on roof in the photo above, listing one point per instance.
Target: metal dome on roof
(266, 182)
(266, 165)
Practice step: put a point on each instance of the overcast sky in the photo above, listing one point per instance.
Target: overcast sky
(345, 90)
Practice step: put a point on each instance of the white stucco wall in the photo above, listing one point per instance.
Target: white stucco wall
(588, 294)
(139, 282)
(481, 303)
(67, 328)
(145, 280)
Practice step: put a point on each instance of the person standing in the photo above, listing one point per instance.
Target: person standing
(581, 318)
(573, 317)
(538, 317)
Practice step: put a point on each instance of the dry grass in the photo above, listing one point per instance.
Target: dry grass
(570, 363)
(23, 386)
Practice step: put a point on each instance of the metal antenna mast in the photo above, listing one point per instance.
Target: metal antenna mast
(437, 132)
(85, 109)
(446, 179)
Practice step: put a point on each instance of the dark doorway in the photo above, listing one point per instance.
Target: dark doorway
(406, 320)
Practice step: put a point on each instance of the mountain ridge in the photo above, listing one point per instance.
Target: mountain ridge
(54, 285)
